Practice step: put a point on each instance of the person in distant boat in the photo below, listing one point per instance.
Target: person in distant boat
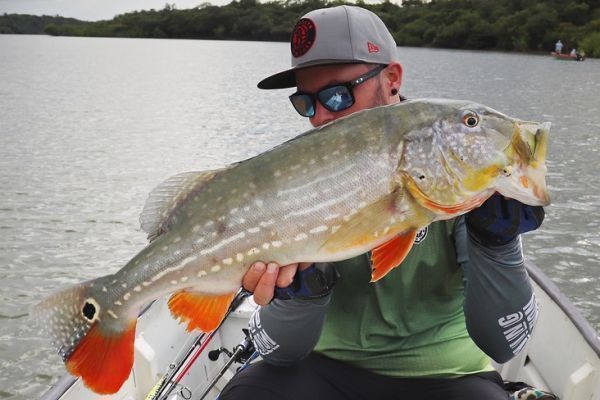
(558, 46)
(428, 329)
(576, 55)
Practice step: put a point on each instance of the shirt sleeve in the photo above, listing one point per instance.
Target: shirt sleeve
(500, 306)
(286, 331)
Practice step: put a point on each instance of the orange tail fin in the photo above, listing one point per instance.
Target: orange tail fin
(390, 254)
(199, 310)
(94, 342)
(103, 361)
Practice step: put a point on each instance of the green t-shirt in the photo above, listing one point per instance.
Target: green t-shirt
(411, 322)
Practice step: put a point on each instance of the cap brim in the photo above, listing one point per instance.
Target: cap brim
(281, 80)
(287, 78)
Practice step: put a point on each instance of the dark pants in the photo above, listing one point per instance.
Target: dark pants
(321, 378)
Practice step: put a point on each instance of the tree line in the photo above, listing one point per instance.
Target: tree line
(510, 25)
(32, 24)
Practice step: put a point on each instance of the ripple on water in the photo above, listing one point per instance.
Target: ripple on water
(565, 250)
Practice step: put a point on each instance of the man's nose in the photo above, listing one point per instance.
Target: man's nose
(322, 115)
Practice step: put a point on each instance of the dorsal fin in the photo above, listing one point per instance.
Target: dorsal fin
(165, 199)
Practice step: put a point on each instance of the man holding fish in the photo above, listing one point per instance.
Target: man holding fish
(379, 195)
(427, 329)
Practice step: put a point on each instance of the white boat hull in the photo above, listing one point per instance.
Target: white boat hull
(563, 354)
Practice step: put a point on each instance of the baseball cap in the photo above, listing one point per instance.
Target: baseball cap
(336, 35)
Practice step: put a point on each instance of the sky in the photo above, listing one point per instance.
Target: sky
(92, 10)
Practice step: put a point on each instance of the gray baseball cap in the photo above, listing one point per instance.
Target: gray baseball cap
(336, 35)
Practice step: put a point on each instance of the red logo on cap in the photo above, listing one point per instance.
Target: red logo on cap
(372, 48)
(303, 37)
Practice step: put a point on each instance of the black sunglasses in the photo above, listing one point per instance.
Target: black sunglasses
(334, 98)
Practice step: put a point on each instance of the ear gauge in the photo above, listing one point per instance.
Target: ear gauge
(394, 92)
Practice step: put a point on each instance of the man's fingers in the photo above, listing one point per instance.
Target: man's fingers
(265, 288)
(303, 266)
(286, 275)
(251, 278)
(262, 278)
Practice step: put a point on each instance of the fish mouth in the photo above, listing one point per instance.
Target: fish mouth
(535, 136)
(525, 179)
(527, 186)
(537, 166)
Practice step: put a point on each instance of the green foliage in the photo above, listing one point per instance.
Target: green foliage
(511, 25)
(576, 13)
(52, 29)
(31, 24)
(591, 45)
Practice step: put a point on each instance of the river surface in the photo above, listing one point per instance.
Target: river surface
(88, 126)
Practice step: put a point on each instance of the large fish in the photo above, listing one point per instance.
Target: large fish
(369, 181)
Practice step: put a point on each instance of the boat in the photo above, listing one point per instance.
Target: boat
(563, 354)
(561, 357)
(568, 57)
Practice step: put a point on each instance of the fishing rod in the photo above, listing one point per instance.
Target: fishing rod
(167, 384)
(242, 353)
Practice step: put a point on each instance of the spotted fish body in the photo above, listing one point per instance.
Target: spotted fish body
(365, 182)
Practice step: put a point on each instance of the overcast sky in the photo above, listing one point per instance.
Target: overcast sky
(92, 10)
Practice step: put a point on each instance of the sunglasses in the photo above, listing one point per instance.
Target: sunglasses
(334, 98)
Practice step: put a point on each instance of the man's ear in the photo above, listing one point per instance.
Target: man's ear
(393, 77)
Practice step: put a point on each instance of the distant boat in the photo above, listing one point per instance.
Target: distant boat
(568, 57)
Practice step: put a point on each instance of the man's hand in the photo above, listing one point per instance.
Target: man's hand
(499, 220)
(261, 279)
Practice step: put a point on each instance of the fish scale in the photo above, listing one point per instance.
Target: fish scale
(365, 182)
(279, 204)
(276, 207)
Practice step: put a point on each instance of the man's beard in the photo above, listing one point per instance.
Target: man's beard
(379, 98)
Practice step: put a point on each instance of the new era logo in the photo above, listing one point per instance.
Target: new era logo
(372, 47)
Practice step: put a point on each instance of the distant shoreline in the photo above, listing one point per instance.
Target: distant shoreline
(530, 53)
(445, 24)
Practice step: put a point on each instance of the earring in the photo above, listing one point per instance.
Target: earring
(394, 92)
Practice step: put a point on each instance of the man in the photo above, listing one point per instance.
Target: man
(427, 329)
(558, 46)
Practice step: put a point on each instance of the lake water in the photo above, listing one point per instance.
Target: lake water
(89, 126)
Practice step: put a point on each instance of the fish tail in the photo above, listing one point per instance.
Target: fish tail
(94, 342)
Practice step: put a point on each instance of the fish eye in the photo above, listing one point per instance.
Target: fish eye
(471, 120)
(90, 310)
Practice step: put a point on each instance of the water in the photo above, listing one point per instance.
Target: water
(89, 126)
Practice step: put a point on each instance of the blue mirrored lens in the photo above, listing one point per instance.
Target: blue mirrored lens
(336, 98)
(303, 103)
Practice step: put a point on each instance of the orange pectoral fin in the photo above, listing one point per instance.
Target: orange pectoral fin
(200, 311)
(391, 254)
(104, 361)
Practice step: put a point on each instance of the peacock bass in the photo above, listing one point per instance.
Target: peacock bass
(368, 181)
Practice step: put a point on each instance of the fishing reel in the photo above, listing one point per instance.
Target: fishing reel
(240, 353)
(243, 353)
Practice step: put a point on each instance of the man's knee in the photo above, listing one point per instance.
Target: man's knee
(257, 381)
(485, 385)
(244, 392)
(264, 381)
